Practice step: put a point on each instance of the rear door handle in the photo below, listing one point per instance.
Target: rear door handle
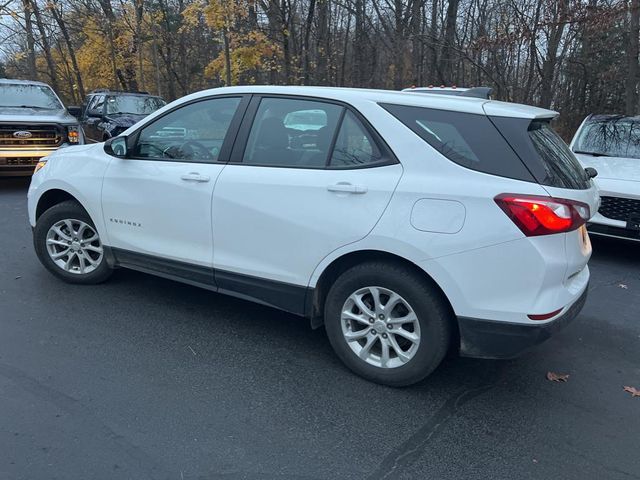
(347, 188)
(194, 177)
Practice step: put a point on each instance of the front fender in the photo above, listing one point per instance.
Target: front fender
(79, 174)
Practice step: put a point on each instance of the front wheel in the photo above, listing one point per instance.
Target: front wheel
(69, 246)
(387, 323)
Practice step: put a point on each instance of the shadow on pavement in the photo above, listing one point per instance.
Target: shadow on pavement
(14, 183)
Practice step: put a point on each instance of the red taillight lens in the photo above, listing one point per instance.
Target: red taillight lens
(537, 215)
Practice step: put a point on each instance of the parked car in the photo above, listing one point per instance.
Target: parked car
(33, 123)
(107, 113)
(611, 145)
(479, 92)
(407, 224)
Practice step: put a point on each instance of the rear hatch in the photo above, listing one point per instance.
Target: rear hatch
(555, 167)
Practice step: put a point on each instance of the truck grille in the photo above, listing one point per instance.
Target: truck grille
(19, 161)
(618, 208)
(40, 136)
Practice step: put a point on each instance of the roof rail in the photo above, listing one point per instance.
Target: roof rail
(478, 92)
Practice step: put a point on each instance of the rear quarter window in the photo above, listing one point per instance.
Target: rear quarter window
(468, 139)
(546, 155)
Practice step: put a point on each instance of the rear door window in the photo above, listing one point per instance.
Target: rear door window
(289, 132)
(468, 139)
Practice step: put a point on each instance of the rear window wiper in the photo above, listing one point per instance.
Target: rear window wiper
(593, 154)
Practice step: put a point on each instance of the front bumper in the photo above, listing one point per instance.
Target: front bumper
(614, 231)
(21, 162)
(502, 340)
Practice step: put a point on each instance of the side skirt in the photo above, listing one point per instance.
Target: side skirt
(280, 295)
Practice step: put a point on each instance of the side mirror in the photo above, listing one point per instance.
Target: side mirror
(116, 147)
(94, 113)
(591, 172)
(75, 111)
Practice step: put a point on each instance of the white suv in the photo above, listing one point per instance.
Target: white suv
(407, 224)
(610, 144)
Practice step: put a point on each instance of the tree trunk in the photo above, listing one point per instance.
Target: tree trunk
(307, 36)
(139, 4)
(227, 57)
(322, 75)
(111, 18)
(359, 50)
(550, 62)
(449, 37)
(72, 53)
(31, 52)
(433, 33)
(46, 46)
(632, 59)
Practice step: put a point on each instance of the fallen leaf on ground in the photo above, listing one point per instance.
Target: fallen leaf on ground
(633, 391)
(557, 377)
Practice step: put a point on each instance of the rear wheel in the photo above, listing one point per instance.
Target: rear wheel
(387, 323)
(69, 246)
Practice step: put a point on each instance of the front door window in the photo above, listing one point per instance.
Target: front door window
(194, 132)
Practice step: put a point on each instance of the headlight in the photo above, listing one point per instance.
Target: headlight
(73, 133)
(39, 166)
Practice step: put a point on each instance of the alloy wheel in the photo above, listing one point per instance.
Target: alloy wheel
(380, 327)
(74, 246)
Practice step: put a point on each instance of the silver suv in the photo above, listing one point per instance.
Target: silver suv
(33, 123)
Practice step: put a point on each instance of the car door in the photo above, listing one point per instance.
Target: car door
(306, 177)
(157, 202)
(90, 123)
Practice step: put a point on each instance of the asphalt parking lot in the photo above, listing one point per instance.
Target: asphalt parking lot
(144, 378)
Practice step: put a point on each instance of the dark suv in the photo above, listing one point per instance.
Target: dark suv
(107, 113)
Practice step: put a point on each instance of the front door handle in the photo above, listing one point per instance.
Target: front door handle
(343, 187)
(194, 177)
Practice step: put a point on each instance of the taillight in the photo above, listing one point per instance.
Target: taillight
(538, 215)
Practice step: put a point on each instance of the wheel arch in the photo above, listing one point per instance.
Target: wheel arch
(53, 197)
(316, 296)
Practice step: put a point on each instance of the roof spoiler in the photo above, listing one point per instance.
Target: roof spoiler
(478, 92)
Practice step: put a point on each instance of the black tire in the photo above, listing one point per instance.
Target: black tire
(434, 318)
(62, 211)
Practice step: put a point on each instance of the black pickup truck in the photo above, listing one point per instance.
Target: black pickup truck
(33, 123)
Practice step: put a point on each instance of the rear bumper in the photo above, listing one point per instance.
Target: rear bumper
(502, 340)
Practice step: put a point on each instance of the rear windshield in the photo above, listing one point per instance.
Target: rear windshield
(467, 139)
(611, 137)
(546, 155)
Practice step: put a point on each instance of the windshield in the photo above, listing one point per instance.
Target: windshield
(34, 96)
(134, 104)
(612, 137)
